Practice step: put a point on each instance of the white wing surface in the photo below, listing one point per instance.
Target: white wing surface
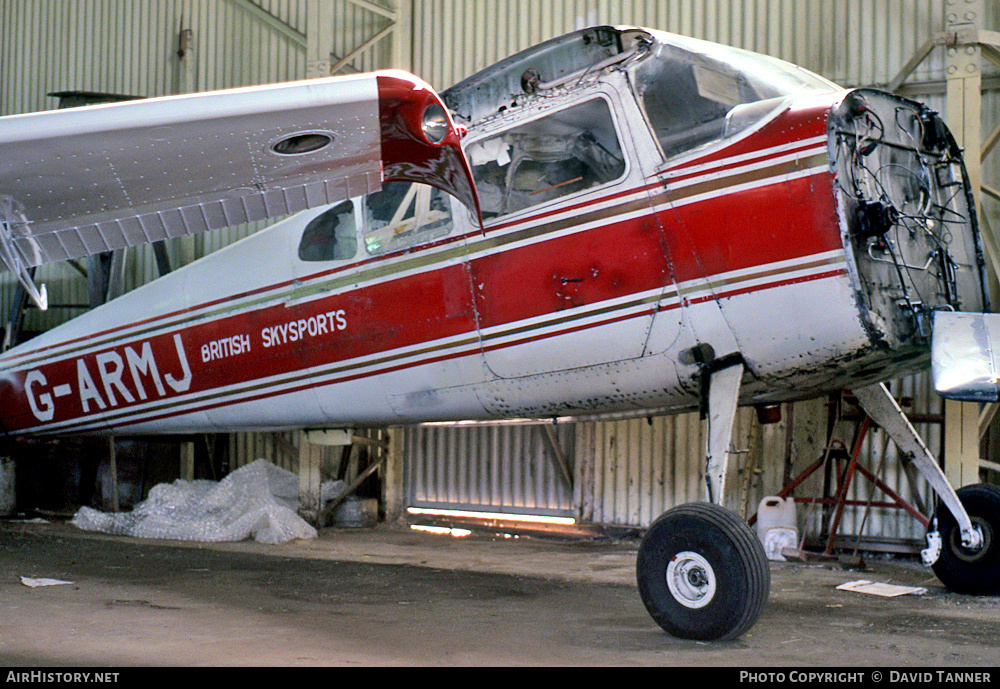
(85, 180)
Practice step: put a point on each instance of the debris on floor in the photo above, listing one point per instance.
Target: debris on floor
(256, 501)
(42, 581)
(880, 589)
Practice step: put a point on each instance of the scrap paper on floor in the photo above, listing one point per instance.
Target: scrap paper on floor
(879, 589)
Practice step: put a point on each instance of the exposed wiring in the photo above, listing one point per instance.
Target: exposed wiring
(909, 196)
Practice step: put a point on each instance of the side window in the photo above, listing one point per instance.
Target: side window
(560, 154)
(404, 215)
(331, 235)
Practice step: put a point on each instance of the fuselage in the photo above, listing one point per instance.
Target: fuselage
(616, 253)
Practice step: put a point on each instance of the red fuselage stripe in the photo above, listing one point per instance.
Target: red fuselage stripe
(281, 387)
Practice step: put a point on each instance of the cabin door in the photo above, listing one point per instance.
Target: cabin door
(571, 266)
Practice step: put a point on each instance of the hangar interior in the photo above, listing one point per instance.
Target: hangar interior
(584, 473)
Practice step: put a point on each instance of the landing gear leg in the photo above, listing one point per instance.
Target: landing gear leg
(881, 406)
(722, 398)
(702, 572)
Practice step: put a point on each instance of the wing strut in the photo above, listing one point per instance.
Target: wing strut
(12, 259)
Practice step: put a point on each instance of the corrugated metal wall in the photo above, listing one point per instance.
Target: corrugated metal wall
(852, 42)
(130, 47)
(505, 468)
(626, 472)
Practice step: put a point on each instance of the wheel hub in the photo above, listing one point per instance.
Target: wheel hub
(985, 540)
(691, 580)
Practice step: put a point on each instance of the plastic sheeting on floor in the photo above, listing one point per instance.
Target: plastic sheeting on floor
(256, 501)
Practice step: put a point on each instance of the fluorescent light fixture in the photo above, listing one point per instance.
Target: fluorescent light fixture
(442, 530)
(468, 514)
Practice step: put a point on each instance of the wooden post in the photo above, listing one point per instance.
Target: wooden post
(113, 464)
(319, 39)
(310, 461)
(187, 460)
(964, 83)
(392, 486)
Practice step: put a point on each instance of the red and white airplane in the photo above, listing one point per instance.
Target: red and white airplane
(634, 223)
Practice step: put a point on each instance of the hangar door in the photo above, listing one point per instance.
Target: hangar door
(506, 468)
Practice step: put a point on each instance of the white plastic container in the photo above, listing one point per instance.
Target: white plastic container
(776, 525)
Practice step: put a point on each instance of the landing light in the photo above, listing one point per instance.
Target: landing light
(435, 124)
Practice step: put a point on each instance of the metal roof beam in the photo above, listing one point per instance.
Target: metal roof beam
(274, 22)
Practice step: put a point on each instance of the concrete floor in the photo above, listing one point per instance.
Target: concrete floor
(391, 596)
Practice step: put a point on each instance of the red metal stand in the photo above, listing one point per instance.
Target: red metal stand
(844, 466)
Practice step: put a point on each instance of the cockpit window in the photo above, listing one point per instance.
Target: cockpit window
(404, 215)
(694, 92)
(557, 155)
(330, 236)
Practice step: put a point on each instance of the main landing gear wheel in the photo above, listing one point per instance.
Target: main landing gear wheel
(702, 573)
(971, 571)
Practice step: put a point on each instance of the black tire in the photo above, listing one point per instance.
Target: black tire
(966, 571)
(691, 536)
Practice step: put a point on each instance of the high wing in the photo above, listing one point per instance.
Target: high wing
(81, 181)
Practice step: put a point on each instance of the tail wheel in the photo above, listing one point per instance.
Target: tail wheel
(702, 573)
(971, 571)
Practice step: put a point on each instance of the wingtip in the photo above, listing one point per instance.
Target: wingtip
(420, 141)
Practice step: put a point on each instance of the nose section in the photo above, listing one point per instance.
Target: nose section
(907, 213)
(420, 143)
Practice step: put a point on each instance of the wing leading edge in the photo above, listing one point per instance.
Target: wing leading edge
(81, 181)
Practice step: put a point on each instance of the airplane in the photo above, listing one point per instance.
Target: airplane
(618, 221)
